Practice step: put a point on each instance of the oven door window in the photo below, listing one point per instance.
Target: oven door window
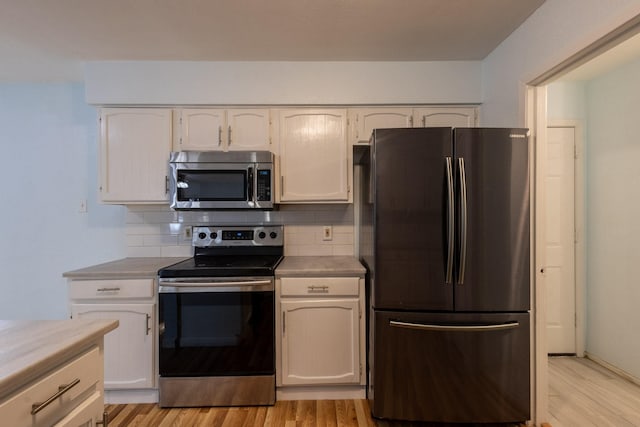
(212, 185)
(216, 334)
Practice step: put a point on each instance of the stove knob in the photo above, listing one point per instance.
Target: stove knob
(262, 235)
(202, 235)
(273, 234)
(213, 235)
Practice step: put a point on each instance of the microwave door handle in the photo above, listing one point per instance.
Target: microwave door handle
(250, 190)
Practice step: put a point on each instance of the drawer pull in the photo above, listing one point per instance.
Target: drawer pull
(39, 406)
(318, 289)
(108, 289)
(105, 420)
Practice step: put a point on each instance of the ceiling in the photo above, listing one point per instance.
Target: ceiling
(44, 39)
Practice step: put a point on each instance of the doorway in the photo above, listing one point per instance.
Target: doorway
(537, 118)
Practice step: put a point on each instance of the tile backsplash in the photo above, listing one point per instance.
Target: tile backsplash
(154, 231)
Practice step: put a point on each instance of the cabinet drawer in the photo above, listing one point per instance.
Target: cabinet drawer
(319, 286)
(78, 376)
(111, 289)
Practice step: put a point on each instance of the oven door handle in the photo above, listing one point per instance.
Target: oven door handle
(212, 286)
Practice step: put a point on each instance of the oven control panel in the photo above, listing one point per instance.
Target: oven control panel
(211, 236)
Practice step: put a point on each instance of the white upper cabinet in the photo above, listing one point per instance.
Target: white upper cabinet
(445, 116)
(363, 121)
(314, 156)
(248, 129)
(134, 150)
(201, 129)
(205, 129)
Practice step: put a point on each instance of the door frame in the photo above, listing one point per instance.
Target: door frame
(535, 107)
(579, 246)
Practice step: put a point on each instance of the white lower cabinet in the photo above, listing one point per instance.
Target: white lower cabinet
(321, 331)
(128, 350)
(320, 342)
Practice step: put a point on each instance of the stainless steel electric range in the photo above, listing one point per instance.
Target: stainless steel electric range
(217, 319)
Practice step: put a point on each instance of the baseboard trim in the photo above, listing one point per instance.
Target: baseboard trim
(320, 393)
(131, 396)
(627, 376)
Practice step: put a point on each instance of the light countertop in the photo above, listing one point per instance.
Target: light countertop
(126, 268)
(30, 348)
(310, 266)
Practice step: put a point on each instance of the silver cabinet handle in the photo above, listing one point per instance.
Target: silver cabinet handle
(229, 135)
(463, 221)
(450, 222)
(219, 136)
(284, 318)
(148, 324)
(109, 289)
(316, 289)
(454, 328)
(105, 420)
(39, 406)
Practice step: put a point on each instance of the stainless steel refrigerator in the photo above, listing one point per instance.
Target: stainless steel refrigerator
(444, 234)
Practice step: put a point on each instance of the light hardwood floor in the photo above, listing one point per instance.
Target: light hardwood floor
(582, 393)
(302, 413)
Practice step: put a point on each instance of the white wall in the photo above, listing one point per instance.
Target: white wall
(613, 226)
(567, 100)
(554, 32)
(282, 83)
(50, 157)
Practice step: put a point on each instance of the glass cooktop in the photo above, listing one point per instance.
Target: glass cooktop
(223, 266)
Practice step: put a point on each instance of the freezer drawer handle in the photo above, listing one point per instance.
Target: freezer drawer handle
(452, 328)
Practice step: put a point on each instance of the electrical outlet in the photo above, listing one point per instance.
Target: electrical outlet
(327, 232)
(187, 233)
(83, 206)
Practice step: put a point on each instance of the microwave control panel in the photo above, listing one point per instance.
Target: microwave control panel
(263, 191)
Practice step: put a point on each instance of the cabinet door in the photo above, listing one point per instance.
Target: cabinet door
(446, 116)
(313, 156)
(320, 341)
(135, 146)
(364, 120)
(202, 129)
(128, 350)
(87, 414)
(248, 129)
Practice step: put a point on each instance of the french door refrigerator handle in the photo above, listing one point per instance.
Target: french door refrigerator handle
(463, 220)
(450, 222)
(455, 328)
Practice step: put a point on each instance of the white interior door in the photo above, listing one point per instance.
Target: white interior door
(560, 240)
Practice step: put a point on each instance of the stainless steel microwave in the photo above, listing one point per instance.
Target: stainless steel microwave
(210, 180)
